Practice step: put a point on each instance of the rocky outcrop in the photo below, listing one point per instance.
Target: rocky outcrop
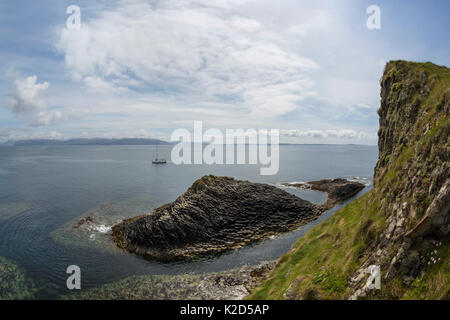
(338, 190)
(215, 214)
(232, 284)
(412, 173)
(400, 227)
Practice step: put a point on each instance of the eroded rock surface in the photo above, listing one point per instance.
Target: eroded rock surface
(215, 214)
(232, 284)
(412, 177)
(399, 228)
(338, 190)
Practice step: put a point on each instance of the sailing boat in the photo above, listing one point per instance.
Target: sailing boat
(158, 160)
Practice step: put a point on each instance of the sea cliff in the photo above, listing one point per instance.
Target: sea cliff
(402, 225)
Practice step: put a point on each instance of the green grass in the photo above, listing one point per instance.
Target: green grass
(320, 263)
(435, 283)
(329, 281)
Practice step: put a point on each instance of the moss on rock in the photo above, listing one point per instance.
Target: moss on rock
(403, 219)
(14, 285)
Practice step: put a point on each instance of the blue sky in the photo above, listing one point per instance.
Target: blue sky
(141, 68)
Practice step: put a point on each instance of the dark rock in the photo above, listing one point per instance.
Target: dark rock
(413, 135)
(338, 189)
(412, 261)
(83, 221)
(214, 215)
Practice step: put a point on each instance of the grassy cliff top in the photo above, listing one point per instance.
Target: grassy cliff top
(412, 170)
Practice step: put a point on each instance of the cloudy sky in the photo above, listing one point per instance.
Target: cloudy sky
(141, 68)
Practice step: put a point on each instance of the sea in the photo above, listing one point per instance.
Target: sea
(44, 187)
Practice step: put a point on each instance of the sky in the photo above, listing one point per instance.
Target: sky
(141, 68)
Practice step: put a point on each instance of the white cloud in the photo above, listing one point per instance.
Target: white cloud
(99, 85)
(28, 100)
(28, 96)
(232, 64)
(192, 48)
(340, 134)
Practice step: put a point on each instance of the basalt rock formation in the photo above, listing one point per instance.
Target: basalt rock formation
(338, 190)
(215, 214)
(402, 225)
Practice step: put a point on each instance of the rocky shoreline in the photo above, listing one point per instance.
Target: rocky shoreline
(338, 190)
(92, 229)
(217, 214)
(234, 284)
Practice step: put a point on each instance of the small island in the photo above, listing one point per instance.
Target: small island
(217, 214)
(338, 189)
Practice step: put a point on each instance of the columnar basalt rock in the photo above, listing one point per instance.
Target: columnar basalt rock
(214, 215)
(338, 190)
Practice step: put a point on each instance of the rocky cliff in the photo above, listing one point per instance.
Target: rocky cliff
(402, 225)
(217, 214)
(213, 215)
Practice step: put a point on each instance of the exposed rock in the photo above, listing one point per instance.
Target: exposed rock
(214, 215)
(407, 211)
(412, 178)
(338, 190)
(234, 284)
(436, 217)
(225, 285)
(83, 221)
(92, 229)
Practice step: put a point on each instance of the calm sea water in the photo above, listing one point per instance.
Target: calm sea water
(41, 188)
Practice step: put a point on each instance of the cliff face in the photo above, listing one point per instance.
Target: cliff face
(414, 131)
(402, 225)
(412, 174)
(413, 167)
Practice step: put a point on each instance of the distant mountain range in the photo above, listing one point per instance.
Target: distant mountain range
(86, 142)
(107, 142)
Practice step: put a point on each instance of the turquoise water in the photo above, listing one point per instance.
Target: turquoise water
(42, 188)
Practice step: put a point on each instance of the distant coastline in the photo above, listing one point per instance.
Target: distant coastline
(130, 142)
(87, 142)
